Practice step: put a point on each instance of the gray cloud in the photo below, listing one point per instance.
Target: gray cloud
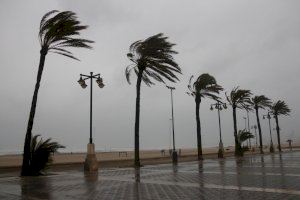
(254, 44)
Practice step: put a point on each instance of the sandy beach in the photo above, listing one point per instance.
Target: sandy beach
(122, 158)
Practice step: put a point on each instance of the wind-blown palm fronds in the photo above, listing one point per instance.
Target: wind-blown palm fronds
(260, 102)
(58, 31)
(151, 60)
(41, 154)
(204, 86)
(243, 136)
(279, 108)
(238, 98)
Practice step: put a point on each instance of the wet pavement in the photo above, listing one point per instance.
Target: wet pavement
(253, 177)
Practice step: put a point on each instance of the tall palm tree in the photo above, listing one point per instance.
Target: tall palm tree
(151, 58)
(279, 108)
(240, 99)
(260, 102)
(56, 33)
(204, 86)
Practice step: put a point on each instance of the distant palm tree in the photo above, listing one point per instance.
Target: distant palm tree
(205, 86)
(238, 99)
(56, 34)
(279, 108)
(41, 154)
(243, 135)
(260, 102)
(152, 58)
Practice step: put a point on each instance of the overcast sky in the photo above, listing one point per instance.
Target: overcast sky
(253, 44)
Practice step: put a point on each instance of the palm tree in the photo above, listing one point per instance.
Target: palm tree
(260, 102)
(151, 58)
(238, 98)
(244, 135)
(204, 86)
(41, 154)
(279, 108)
(56, 33)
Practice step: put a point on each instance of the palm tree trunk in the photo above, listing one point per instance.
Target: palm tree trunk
(238, 148)
(137, 122)
(26, 170)
(278, 133)
(259, 132)
(199, 143)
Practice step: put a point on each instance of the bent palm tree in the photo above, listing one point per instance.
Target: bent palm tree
(204, 86)
(238, 99)
(152, 58)
(56, 33)
(279, 108)
(260, 102)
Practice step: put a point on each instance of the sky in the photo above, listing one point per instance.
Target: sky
(253, 44)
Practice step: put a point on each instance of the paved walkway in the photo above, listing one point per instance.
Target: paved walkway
(257, 177)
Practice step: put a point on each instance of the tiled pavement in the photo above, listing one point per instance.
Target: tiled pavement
(253, 177)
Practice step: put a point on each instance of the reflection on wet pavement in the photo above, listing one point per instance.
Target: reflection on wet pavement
(255, 177)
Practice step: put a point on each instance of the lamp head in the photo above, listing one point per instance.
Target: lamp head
(82, 83)
(100, 83)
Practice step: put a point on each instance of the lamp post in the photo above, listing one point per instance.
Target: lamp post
(91, 164)
(249, 127)
(245, 118)
(255, 127)
(268, 116)
(174, 153)
(219, 106)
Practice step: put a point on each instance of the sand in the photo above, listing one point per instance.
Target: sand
(120, 159)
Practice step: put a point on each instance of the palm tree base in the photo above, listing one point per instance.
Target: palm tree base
(271, 149)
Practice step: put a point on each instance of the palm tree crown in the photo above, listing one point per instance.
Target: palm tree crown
(204, 86)
(239, 98)
(261, 102)
(152, 58)
(58, 32)
(280, 108)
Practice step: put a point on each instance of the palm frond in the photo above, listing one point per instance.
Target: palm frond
(280, 108)
(153, 58)
(239, 98)
(244, 135)
(41, 154)
(205, 86)
(59, 30)
(261, 102)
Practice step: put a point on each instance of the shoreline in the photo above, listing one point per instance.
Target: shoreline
(124, 158)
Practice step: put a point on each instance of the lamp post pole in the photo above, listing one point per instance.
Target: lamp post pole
(91, 109)
(91, 163)
(268, 116)
(249, 127)
(218, 106)
(174, 153)
(255, 127)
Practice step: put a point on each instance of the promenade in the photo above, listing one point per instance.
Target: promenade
(256, 177)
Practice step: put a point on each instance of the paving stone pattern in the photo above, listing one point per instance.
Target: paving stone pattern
(256, 177)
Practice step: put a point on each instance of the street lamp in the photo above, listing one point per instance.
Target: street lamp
(255, 127)
(268, 116)
(91, 164)
(174, 153)
(219, 106)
